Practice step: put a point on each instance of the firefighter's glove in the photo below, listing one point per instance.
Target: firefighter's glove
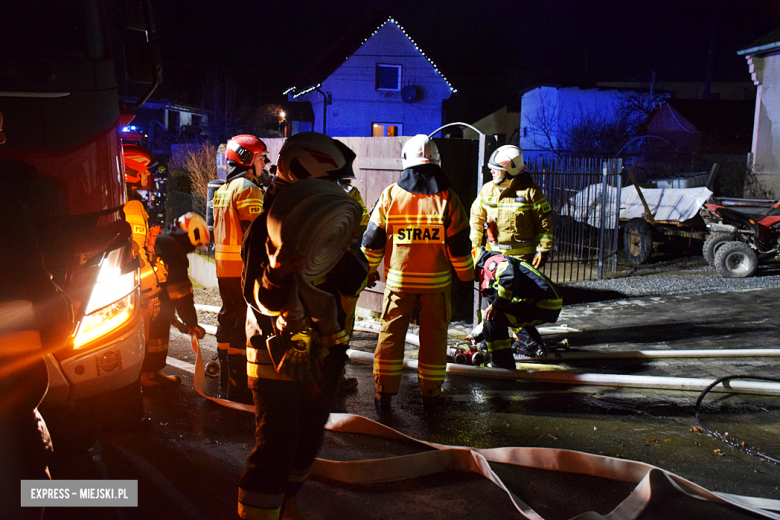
(373, 278)
(539, 260)
(198, 331)
(297, 362)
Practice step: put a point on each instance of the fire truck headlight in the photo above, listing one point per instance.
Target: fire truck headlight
(113, 302)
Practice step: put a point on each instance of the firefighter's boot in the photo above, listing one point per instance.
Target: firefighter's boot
(159, 380)
(346, 384)
(290, 509)
(382, 402)
(238, 390)
(432, 404)
(503, 359)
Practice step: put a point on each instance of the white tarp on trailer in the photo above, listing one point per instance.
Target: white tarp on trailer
(671, 204)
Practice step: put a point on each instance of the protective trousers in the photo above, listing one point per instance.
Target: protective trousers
(498, 342)
(289, 427)
(231, 333)
(157, 320)
(435, 315)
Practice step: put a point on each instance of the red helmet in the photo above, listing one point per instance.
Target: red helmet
(244, 149)
(137, 162)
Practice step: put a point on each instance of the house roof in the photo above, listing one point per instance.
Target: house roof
(341, 51)
(766, 43)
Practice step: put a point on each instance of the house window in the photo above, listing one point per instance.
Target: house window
(387, 129)
(388, 77)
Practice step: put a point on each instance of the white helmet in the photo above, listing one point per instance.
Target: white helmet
(196, 228)
(418, 150)
(310, 155)
(507, 158)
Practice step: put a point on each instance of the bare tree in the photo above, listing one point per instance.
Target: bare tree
(192, 167)
(589, 131)
(227, 113)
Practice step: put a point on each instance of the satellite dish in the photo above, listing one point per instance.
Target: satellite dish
(409, 93)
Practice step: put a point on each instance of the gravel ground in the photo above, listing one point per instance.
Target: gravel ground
(687, 275)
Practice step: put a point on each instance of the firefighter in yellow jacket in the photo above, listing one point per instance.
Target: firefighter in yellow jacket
(514, 210)
(420, 228)
(236, 204)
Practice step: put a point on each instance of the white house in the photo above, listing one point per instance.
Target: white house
(548, 110)
(384, 86)
(763, 57)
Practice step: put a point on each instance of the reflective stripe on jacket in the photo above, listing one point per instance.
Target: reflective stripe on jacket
(239, 200)
(522, 214)
(136, 216)
(505, 280)
(421, 237)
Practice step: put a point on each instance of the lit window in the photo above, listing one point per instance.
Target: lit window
(387, 129)
(388, 77)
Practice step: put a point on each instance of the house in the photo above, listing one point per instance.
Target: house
(763, 57)
(548, 113)
(382, 86)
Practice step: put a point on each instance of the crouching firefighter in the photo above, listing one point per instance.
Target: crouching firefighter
(176, 297)
(514, 295)
(297, 344)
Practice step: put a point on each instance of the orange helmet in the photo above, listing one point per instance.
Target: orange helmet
(137, 162)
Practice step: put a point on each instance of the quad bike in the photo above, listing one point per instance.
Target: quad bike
(739, 240)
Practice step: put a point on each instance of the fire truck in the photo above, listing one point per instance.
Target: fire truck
(62, 114)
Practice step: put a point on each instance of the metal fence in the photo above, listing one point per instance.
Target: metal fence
(585, 198)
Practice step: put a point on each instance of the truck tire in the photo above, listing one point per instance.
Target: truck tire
(712, 243)
(638, 240)
(736, 260)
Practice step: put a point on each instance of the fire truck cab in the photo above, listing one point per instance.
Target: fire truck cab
(62, 115)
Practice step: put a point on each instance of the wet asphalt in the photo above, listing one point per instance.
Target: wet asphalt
(190, 456)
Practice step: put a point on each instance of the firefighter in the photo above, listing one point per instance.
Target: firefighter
(137, 162)
(514, 295)
(290, 414)
(514, 210)
(421, 229)
(157, 326)
(236, 204)
(36, 318)
(176, 296)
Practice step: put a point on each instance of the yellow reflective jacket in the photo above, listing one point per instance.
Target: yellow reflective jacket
(355, 194)
(421, 236)
(522, 214)
(236, 204)
(136, 216)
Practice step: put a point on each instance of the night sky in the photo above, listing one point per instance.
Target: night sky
(480, 46)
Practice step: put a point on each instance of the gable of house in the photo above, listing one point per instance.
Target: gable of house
(386, 86)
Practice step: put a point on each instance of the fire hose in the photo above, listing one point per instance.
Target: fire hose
(650, 480)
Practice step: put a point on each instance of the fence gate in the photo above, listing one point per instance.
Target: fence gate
(585, 198)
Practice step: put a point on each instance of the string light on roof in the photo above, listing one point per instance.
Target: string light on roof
(390, 19)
